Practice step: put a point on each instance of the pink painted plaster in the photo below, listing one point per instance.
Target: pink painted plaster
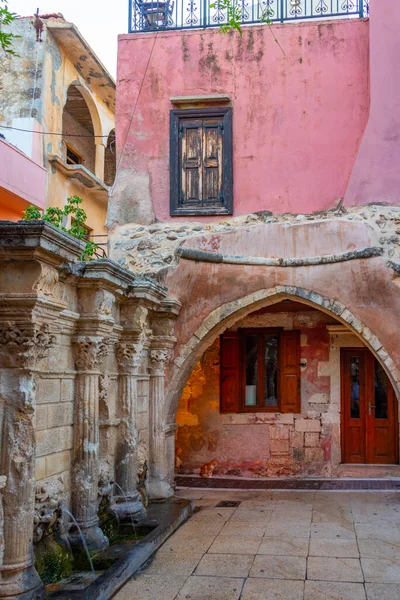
(376, 175)
(298, 117)
(21, 176)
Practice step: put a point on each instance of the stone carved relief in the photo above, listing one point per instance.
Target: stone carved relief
(105, 485)
(47, 497)
(106, 307)
(129, 355)
(88, 352)
(158, 360)
(104, 382)
(25, 347)
(48, 279)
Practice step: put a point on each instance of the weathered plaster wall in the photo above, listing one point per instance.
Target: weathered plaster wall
(376, 174)
(33, 91)
(298, 116)
(268, 444)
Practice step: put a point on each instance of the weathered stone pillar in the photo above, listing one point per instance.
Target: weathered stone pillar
(88, 352)
(160, 484)
(128, 357)
(22, 347)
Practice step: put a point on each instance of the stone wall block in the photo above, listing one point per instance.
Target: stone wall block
(313, 455)
(281, 447)
(48, 391)
(319, 398)
(311, 440)
(60, 414)
(308, 425)
(58, 463)
(67, 390)
(47, 442)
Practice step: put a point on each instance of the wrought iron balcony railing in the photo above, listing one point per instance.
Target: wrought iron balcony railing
(151, 15)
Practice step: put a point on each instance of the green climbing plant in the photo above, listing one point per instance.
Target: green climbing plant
(56, 216)
(234, 16)
(6, 18)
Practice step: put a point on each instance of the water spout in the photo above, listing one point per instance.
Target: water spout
(81, 535)
(127, 503)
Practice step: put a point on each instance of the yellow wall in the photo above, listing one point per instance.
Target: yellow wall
(60, 187)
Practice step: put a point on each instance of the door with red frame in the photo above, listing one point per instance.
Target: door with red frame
(368, 410)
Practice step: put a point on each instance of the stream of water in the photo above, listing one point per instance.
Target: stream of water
(81, 535)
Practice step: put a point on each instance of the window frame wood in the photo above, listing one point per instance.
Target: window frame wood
(175, 168)
(261, 331)
(69, 148)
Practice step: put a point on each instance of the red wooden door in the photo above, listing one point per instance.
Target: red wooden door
(369, 410)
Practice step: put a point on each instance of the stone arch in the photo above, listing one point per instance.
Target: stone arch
(81, 120)
(225, 316)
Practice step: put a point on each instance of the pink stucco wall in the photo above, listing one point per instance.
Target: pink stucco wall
(298, 117)
(21, 179)
(376, 174)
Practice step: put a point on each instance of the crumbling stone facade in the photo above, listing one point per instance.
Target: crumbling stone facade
(82, 358)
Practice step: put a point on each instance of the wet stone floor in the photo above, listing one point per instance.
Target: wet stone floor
(278, 546)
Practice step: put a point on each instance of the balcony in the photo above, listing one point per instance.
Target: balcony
(154, 15)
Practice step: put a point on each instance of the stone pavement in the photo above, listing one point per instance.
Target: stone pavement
(279, 546)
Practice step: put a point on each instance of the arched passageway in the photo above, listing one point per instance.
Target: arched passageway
(78, 130)
(304, 442)
(285, 390)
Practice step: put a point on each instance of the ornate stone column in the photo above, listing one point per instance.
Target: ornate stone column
(88, 352)
(128, 357)
(21, 347)
(159, 484)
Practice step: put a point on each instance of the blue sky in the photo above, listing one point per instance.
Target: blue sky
(100, 22)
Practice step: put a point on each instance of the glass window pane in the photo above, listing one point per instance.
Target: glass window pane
(355, 387)
(251, 370)
(271, 370)
(381, 392)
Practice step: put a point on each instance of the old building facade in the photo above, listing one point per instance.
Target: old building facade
(57, 106)
(259, 182)
(245, 324)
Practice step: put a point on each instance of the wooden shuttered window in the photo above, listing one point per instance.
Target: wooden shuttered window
(229, 372)
(233, 373)
(289, 372)
(201, 162)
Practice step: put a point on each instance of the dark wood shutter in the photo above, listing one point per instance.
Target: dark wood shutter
(201, 162)
(289, 378)
(212, 162)
(191, 150)
(229, 388)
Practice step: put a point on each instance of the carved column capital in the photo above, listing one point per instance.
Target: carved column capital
(89, 352)
(129, 355)
(25, 347)
(158, 361)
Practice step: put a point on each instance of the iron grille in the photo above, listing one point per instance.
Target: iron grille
(150, 15)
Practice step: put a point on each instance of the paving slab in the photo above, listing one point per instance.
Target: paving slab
(381, 570)
(279, 567)
(152, 587)
(382, 591)
(235, 544)
(333, 590)
(225, 565)
(207, 588)
(274, 546)
(173, 563)
(274, 589)
(334, 569)
(187, 543)
(335, 547)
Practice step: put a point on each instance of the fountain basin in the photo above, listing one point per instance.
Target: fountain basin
(116, 565)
